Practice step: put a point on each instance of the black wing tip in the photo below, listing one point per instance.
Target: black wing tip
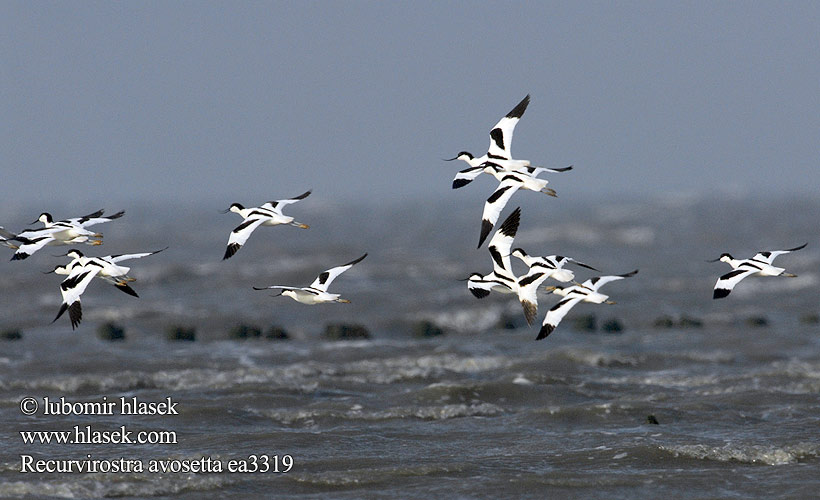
(303, 195)
(545, 331)
(459, 183)
(586, 266)
(563, 169)
(116, 215)
(353, 262)
(479, 293)
(75, 313)
(627, 275)
(231, 250)
(127, 289)
(510, 225)
(486, 227)
(530, 311)
(19, 256)
(798, 248)
(720, 293)
(63, 309)
(519, 109)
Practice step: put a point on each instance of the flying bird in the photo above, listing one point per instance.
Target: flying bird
(269, 214)
(508, 184)
(502, 279)
(760, 265)
(63, 232)
(110, 268)
(316, 292)
(585, 292)
(551, 265)
(500, 141)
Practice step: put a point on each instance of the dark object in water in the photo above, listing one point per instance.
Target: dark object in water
(342, 331)
(111, 332)
(176, 332)
(511, 321)
(757, 321)
(11, 334)
(810, 319)
(586, 323)
(427, 329)
(613, 326)
(650, 419)
(243, 331)
(277, 333)
(681, 322)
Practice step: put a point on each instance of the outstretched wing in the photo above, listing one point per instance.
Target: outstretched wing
(501, 135)
(119, 258)
(495, 204)
(727, 282)
(501, 242)
(466, 176)
(29, 246)
(91, 219)
(323, 280)
(240, 235)
(528, 292)
(555, 315)
(72, 288)
(277, 205)
(536, 171)
(768, 257)
(595, 283)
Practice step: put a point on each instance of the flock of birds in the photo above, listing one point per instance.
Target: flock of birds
(82, 270)
(511, 174)
(514, 174)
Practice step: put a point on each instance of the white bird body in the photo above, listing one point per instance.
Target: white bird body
(551, 265)
(82, 270)
(110, 269)
(268, 214)
(316, 292)
(584, 292)
(64, 232)
(759, 265)
(499, 151)
(509, 183)
(502, 279)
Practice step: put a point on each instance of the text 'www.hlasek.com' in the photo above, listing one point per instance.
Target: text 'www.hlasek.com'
(97, 434)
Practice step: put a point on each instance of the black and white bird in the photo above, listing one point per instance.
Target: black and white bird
(502, 279)
(500, 142)
(110, 269)
(585, 292)
(269, 214)
(81, 272)
(499, 151)
(63, 232)
(551, 265)
(316, 292)
(508, 184)
(79, 277)
(760, 265)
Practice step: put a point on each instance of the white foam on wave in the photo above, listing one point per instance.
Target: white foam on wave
(308, 417)
(751, 454)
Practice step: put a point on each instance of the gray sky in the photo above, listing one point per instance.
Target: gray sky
(251, 101)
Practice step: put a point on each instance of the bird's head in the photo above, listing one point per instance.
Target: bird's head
(235, 207)
(45, 218)
(463, 156)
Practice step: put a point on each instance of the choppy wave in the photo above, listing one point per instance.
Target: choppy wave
(750, 454)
